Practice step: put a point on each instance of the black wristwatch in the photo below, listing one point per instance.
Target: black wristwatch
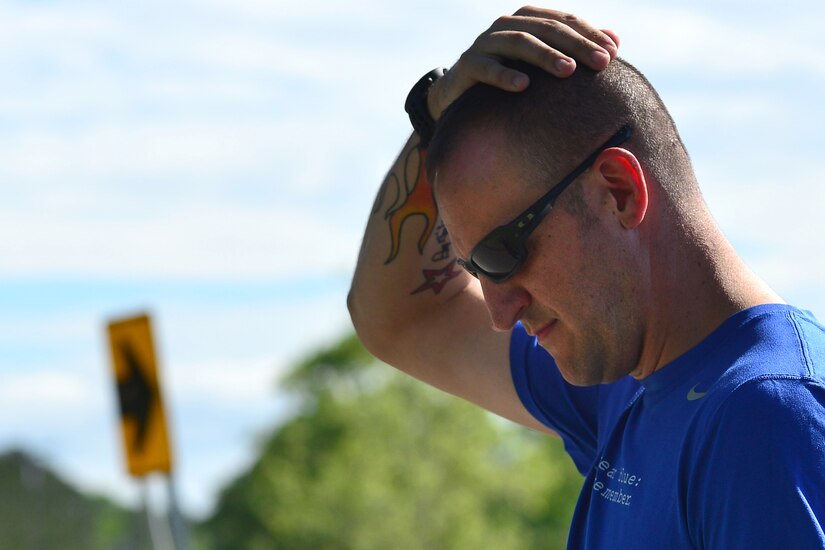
(416, 106)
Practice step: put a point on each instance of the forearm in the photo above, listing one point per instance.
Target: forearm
(406, 267)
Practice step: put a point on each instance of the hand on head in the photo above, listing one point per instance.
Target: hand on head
(550, 39)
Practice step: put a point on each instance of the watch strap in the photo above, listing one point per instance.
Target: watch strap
(416, 106)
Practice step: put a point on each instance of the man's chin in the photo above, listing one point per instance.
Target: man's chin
(585, 375)
(579, 377)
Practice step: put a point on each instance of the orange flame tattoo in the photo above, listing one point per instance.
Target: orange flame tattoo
(419, 202)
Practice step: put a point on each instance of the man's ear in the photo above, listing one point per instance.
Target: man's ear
(622, 176)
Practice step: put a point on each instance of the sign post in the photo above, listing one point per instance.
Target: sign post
(142, 413)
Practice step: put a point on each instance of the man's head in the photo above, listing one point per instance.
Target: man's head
(583, 289)
(556, 121)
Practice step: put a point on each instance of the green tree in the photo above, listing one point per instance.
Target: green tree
(38, 510)
(377, 460)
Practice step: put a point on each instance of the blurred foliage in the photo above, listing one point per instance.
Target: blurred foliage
(377, 460)
(38, 511)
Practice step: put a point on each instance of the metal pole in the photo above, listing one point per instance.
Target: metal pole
(159, 533)
(180, 533)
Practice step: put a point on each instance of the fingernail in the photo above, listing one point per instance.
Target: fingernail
(600, 58)
(519, 81)
(564, 65)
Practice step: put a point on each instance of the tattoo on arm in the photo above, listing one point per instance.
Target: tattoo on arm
(441, 238)
(414, 197)
(435, 279)
(379, 200)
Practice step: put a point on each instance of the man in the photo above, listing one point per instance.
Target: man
(686, 391)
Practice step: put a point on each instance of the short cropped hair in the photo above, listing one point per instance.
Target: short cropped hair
(556, 122)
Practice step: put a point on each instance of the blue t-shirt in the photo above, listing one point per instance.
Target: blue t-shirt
(723, 448)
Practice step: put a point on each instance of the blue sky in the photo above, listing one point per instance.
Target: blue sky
(214, 163)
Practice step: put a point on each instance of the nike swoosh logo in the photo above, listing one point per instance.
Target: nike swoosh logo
(693, 395)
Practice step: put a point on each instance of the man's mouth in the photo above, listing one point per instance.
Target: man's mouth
(545, 331)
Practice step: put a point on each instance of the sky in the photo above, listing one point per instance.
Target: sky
(213, 163)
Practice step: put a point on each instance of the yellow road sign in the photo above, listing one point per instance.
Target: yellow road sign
(142, 414)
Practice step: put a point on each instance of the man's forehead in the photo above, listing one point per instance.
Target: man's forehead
(487, 169)
(475, 194)
(476, 160)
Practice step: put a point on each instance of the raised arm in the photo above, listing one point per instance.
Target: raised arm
(411, 305)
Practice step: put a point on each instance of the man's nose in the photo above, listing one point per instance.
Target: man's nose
(505, 301)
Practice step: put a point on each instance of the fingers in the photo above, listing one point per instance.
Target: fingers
(480, 68)
(614, 37)
(470, 69)
(480, 65)
(596, 39)
(563, 33)
(552, 40)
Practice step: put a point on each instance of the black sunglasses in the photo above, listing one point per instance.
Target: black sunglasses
(499, 255)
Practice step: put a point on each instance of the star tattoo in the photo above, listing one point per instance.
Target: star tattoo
(435, 279)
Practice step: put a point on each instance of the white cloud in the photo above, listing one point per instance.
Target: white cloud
(729, 109)
(774, 221)
(200, 241)
(177, 148)
(731, 39)
(227, 381)
(45, 391)
(21, 23)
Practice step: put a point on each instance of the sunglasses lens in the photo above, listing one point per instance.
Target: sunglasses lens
(495, 259)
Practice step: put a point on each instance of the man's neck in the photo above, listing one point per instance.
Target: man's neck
(698, 283)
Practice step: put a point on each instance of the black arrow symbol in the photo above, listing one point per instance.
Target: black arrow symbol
(136, 395)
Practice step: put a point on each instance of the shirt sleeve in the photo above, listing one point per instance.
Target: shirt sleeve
(759, 473)
(570, 411)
